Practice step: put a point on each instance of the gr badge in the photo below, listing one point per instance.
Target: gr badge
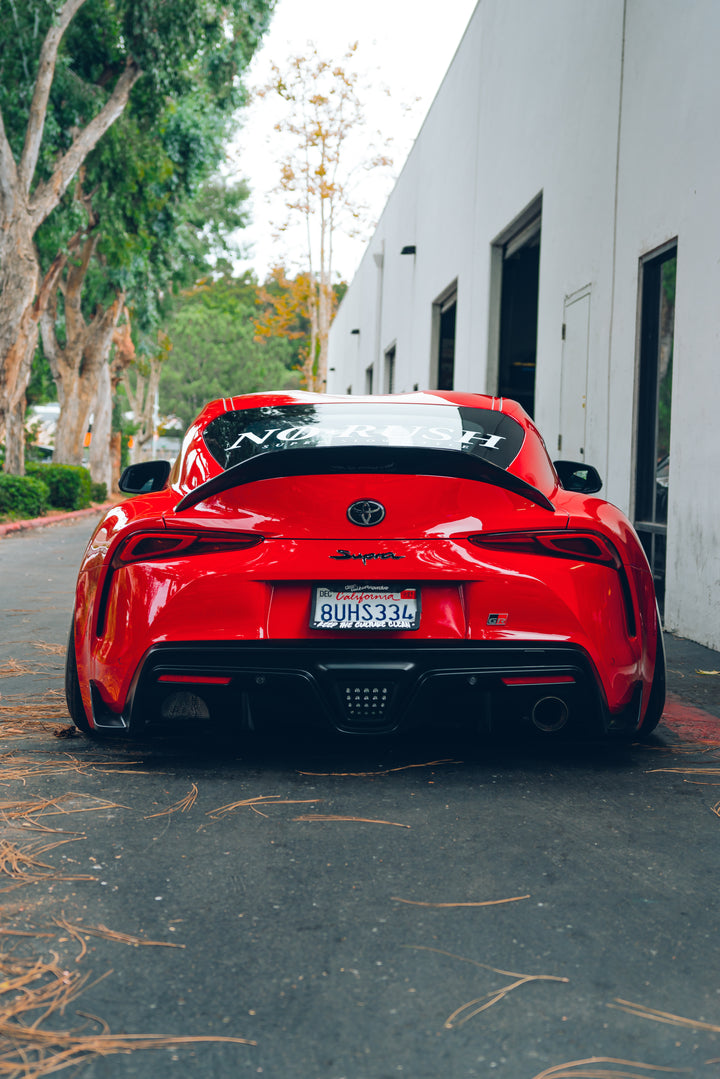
(497, 619)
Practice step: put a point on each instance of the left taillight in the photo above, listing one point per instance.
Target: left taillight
(581, 546)
(161, 544)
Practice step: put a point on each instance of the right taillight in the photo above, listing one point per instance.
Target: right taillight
(576, 545)
(582, 546)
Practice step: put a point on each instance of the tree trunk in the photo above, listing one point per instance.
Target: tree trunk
(146, 414)
(19, 279)
(100, 451)
(22, 211)
(77, 368)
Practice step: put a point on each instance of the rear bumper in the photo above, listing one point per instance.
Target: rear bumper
(359, 688)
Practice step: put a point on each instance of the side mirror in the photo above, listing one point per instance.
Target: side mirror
(143, 478)
(576, 476)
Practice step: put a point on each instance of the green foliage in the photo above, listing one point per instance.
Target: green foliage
(69, 486)
(98, 492)
(22, 496)
(147, 188)
(215, 353)
(41, 388)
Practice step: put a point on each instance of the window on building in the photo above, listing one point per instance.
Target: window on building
(654, 400)
(389, 385)
(444, 323)
(518, 315)
(369, 379)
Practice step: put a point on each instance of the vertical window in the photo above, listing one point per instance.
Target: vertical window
(444, 321)
(389, 386)
(369, 379)
(654, 400)
(518, 316)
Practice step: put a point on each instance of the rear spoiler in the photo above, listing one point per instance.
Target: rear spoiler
(348, 460)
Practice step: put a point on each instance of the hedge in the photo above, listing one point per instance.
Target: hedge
(70, 486)
(23, 496)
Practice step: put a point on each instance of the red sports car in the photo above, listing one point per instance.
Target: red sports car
(366, 564)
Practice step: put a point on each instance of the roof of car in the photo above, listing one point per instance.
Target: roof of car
(276, 399)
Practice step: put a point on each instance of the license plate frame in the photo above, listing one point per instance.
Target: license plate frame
(371, 601)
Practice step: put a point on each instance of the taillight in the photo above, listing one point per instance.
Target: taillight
(150, 546)
(579, 546)
(582, 546)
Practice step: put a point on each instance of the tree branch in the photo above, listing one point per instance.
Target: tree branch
(8, 175)
(49, 194)
(43, 82)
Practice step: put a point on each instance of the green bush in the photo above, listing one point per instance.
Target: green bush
(98, 492)
(70, 486)
(23, 496)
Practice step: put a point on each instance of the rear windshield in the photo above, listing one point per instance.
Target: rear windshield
(236, 436)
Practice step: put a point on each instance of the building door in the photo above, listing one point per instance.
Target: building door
(518, 315)
(654, 400)
(574, 375)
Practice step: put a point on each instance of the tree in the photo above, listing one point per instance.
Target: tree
(214, 351)
(46, 135)
(324, 119)
(284, 303)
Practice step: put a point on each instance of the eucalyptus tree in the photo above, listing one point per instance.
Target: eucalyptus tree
(67, 72)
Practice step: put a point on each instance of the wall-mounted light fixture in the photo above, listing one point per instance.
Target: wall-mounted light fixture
(409, 249)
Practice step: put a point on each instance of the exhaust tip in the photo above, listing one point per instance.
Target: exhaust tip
(549, 714)
(183, 706)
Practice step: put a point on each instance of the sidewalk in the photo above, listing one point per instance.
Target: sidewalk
(8, 528)
(693, 671)
(693, 678)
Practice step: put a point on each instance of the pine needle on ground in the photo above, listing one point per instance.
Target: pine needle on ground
(354, 820)
(483, 903)
(644, 1012)
(182, 806)
(472, 1008)
(559, 1071)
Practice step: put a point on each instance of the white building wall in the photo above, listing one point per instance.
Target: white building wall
(607, 109)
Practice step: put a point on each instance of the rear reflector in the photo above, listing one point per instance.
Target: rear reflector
(196, 679)
(537, 679)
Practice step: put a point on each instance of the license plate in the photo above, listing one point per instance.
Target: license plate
(365, 606)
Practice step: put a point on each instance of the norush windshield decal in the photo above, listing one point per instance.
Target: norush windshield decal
(237, 436)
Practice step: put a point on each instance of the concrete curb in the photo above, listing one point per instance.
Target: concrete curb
(10, 527)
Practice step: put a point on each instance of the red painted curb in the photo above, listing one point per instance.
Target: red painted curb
(42, 522)
(689, 722)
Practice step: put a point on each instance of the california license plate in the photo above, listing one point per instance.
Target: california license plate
(365, 606)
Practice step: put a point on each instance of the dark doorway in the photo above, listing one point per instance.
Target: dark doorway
(390, 370)
(518, 316)
(446, 314)
(654, 401)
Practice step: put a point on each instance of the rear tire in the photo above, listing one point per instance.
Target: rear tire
(73, 697)
(656, 703)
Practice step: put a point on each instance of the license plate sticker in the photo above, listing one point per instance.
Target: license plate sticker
(365, 606)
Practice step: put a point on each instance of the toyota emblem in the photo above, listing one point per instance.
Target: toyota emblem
(366, 513)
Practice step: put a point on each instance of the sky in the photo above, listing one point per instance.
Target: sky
(404, 47)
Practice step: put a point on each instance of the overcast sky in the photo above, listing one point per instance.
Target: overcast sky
(404, 46)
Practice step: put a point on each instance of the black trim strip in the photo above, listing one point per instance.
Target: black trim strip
(327, 460)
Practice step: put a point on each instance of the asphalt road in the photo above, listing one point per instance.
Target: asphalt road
(352, 916)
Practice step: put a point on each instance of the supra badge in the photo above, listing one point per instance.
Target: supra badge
(366, 512)
(342, 554)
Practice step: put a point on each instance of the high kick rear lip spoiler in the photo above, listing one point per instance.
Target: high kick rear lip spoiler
(348, 460)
